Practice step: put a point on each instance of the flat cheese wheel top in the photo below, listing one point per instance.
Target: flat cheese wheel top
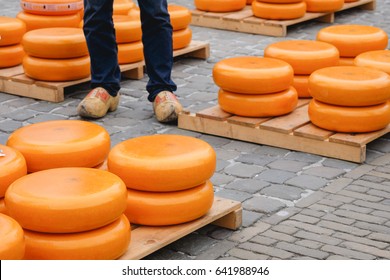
(374, 59)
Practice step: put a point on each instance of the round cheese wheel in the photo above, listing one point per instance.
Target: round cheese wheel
(11, 55)
(162, 162)
(181, 38)
(248, 2)
(69, 199)
(122, 7)
(347, 61)
(349, 119)
(127, 29)
(220, 5)
(374, 59)
(61, 143)
(350, 86)
(280, 1)
(3, 209)
(305, 56)
(352, 39)
(134, 13)
(320, 6)
(55, 42)
(12, 167)
(253, 75)
(105, 243)
(301, 84)
(130, 52)
(12, 245)
(162, 209)
(40, 21)
(56, 70)
(278, 11)
(258, 105)
(52, 7)
(11, 31)
(180, 16)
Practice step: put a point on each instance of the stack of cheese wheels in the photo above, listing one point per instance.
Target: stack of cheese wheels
(255, 86)
(323, 6)
(167, 177)
(350, 99)
(180, 20)
(279, 9)
(62, 143)
(12, 245)
(71, 213)
(374, 59)
(50, 13)
(353, 39)
(56, 54)
(220, 6)
(122, 7)
(305, 56)
(11, 33)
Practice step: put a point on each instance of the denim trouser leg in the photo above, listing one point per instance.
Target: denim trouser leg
(157, 41)
(100, 35)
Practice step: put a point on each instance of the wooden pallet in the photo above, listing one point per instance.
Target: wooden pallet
(14, 81)
(293, 131)
(244, 21)
(146, 239)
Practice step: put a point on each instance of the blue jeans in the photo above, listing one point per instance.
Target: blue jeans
(156, 38)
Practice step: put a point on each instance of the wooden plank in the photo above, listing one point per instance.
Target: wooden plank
(313, 132)
(363, 4)
(245, 121)
(232, 220)
(358, 139)
(11, 71)
(214, 113)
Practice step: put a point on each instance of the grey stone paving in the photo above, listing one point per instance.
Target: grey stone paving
(296, 205)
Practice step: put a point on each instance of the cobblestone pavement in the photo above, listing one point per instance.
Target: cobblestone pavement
(296, 205)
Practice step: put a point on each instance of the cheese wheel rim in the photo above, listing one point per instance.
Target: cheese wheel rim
(220, 5)
(11, 31)
(318, 6)
(181, 38)
(130, 52)
(33, 21)
(11, 55)
(12, 245)
(52, 7)
(278, 11)
(127, 29)
(374, 59)
(180, 16)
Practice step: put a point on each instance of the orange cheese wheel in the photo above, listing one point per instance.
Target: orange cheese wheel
(280, 1)
(11, 30)
(127, 29)
(258, 105)
(122, 7)
(181, 38)
(349, 119)
(318, 6)
(352, 39)
(162, 209)
(220, 5)
(40, 21)
(134, 13)
(253, 75)
(3, 209)
(180, 16)
(130, 52)
(52, 7)
(374, 59)
(305, 56)
(69, 199)
(278, 11)
(62, 143)
(12, 245)
(301, 84)
(161, 163)
(55, 42)
(11, 55)
(105, 243)
(56, 70)
(248, 2)
(347, 61)
(350, 86)
(12, 167)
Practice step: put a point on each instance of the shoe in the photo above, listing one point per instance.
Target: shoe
(97, 103)
(166, 107)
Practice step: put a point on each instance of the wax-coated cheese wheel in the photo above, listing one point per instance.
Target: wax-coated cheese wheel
(12, 167)
(11, 55)
(347, 61)
(122, 7)
(56, 70)
(180, 16)
(374, 59)
(220, 5)
(350, 86)
(162, 162)
(278, 11)
(105, 243)
(69, 199)
(134, 13)
(127, 29)
(280, 1)
(52, 7)
(253, 75)
(61, 143)
(3, 209)
(248, 2)
(352, 39)
(301, 84)
(305, 56)
(181, 38)
(130, 52)
(258, 105)
(11, 30)
(349, 119)
(12, 245)
(320, 6)
(39, 21)
(162, 209)
(55, 42)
